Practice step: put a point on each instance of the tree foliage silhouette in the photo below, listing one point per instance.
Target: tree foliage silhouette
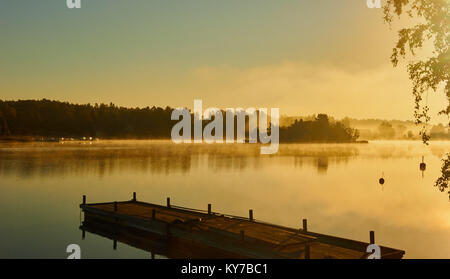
(318, 130)
(45, 118)
(432, 72)
(60, 119)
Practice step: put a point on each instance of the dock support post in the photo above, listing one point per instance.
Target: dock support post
(84, 199)
(83, 234)
(305, 225)
(134, 196)
(307, 251)
(152, 255)
(209, 208)
(250, 214)
(168, 202)
(372, 237)
(242, 235)
(153, 214)
(115, 244)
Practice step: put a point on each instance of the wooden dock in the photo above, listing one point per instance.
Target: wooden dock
(179, 232)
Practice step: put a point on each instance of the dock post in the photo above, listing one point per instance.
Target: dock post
(307, 251)
(83, 234)
(250, 214)
(152, 255)
(134, 196)
(84, 199)
(242, 235)
(153, 214)
(209, 208)
(168, 202)
(115, 244)
(372, 237)
(305, 225)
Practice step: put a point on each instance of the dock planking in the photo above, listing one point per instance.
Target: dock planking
(179, 232)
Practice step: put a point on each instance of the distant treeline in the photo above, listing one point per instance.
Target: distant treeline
(378, 129)
(46, 118)
(60, 119)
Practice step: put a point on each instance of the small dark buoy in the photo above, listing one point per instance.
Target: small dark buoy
(423, 166)
(381, 180)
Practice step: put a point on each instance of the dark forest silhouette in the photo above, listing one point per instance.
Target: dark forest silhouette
(60, 119)
(319, 129)
(45, 118)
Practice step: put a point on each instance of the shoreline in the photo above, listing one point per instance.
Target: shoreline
(37, 139)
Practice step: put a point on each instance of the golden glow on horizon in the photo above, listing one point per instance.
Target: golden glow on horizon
(304, 59)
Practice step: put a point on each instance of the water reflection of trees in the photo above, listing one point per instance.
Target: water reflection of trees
(159, 158)
(164, 157)
(322, 163)
(92, 161)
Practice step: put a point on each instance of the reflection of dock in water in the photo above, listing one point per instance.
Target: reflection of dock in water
(178, 232)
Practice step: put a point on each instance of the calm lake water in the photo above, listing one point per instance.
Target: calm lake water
(334, 186)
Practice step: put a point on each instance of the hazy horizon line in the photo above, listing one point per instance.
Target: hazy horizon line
(170, 106)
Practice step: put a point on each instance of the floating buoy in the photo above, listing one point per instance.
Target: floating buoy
(381, 180)
(423, 166)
